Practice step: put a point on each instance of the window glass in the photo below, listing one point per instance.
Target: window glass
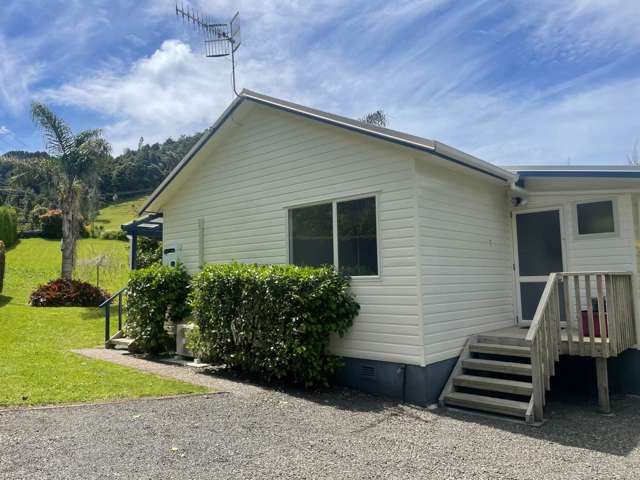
(311, 230)
(595, 217)
(357, 241)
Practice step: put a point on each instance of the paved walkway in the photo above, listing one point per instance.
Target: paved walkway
(196, 376)
(253, 432)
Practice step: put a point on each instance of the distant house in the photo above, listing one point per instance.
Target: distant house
(473, 279)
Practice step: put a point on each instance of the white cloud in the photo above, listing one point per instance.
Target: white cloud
(172, 92)
(17, 75)
(4, 130)
(344, 58)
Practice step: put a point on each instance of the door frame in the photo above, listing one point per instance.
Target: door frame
(516, 258)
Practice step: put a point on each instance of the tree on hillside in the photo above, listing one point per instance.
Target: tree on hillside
(74, 159)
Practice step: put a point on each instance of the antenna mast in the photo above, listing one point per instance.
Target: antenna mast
(220, 39)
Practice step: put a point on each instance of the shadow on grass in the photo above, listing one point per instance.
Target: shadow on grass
(4, 300)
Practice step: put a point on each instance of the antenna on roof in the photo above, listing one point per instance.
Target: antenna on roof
(220, 39)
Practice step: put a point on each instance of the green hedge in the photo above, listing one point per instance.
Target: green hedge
(155, 294)
(51, 223)
(271, 320)
(3, 257)
(8, 226)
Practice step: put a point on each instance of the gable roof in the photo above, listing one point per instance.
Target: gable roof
(393, 136)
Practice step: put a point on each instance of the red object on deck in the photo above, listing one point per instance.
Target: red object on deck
(596, 324)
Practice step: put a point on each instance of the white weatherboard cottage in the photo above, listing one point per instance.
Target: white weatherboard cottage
(473, 279)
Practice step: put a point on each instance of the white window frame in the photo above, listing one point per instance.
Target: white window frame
(334, 221)
(585, 236)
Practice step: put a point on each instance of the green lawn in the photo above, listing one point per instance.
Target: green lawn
(114, 215)
(36, 364)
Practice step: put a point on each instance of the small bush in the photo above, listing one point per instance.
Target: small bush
(93, 230)
(67, 293)
(155, 294)
(51, 223)
(3, 255)
(8, 226)
(113, 235)
(149, 252)
(271, 320)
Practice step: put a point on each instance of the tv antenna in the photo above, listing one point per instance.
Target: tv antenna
(220, 39)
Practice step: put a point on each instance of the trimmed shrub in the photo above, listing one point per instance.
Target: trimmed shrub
(67, 293)
(3, 255)
(271, 320)
(8, 226)
(156, 294)
(51, 223)
(149, 251)
(113, 235)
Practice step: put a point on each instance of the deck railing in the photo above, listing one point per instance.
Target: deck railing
(579, 313)
(598, 313)
(544, 337)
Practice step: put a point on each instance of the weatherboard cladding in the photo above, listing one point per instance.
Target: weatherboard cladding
(272, 160)
(466, 259)
(398, 138)
(609, 252)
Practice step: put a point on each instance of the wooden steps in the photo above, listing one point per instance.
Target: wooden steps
(496, 349)
(487, 404)
(123, 342)
(120, 341)
(497, 366)
(491, 376)
(493, 384)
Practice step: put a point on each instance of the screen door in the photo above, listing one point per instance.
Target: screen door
(539, 243)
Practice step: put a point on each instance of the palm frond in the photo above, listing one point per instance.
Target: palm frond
(58, 136)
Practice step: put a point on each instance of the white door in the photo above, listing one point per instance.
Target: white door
(538, 253)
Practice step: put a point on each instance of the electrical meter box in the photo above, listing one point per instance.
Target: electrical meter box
(171, 254)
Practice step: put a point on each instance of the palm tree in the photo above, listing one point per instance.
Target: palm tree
(74, 159)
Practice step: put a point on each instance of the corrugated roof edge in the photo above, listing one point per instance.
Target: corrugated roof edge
(436, 148)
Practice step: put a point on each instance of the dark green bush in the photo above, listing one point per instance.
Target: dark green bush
(51, 223)
(155, 294)
(8, 226)
(113, 235)
(3, 256)
(149, 251)
(271, 320)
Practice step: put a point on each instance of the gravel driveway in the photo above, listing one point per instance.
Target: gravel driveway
(261, 433)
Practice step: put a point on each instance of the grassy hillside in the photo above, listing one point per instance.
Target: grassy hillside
(37, 366)
(111, 217)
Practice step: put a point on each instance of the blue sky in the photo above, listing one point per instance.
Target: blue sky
(513, 82)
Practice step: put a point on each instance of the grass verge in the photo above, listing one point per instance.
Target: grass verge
(37, 366)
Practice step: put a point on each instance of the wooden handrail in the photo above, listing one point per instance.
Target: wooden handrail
(544, 338)
(566, 309)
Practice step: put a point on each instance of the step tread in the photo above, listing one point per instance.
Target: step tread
(508, 350)
(490, 404)
(497, 365)
(123, 341)
(493, 384)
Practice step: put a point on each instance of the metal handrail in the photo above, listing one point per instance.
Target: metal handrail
(112, 297)
(107, 312)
